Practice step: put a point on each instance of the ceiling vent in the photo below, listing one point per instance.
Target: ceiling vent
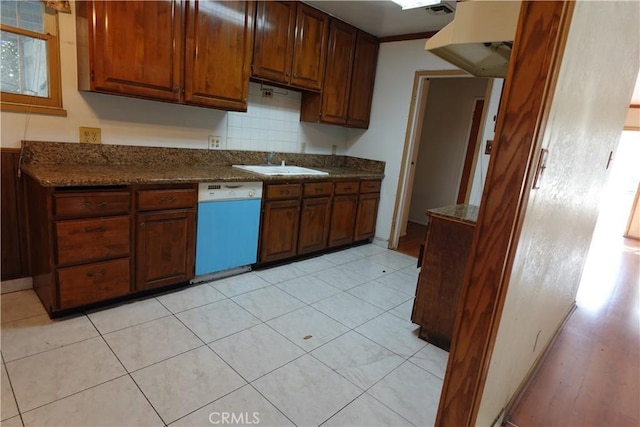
(440, 9)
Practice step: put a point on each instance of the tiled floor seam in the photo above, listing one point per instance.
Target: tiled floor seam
(22, 318)
(53, 348)
(13, 393)
(131, 326)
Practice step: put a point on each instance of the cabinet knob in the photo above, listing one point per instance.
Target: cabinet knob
(176, 89)
(142, 225)
(295, 75)
(288, 74)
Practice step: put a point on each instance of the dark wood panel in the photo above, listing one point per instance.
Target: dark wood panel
(89, 283)
(364, 74)
(410, 36)
(14, 243)
(92, 239)
(310, 48)
(446, 250)
(279, 235)
(314, 224)
(346, 187)
(151, 200)
(532, 69)
(274, 36)
(283, 191)
(218, 53)
(92, 204)
(315, 189)
(370, 186)
(472, 144)
(343, 217)
(366, 216)
(165, 248)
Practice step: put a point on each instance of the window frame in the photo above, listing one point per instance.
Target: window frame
(52, 104)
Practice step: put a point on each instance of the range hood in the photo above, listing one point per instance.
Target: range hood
(480, 37)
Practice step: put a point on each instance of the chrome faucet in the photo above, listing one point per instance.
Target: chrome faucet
(270, 157)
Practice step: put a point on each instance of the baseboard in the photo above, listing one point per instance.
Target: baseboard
(14, 285)
(517, 395)
(421, 221)
(379, 241)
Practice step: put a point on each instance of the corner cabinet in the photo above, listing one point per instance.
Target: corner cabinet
(167, 50)
(290, 44)
(90, 245)
(348, 82)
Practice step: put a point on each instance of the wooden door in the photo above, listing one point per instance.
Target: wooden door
(310, 48)
(219, 44)
(165, 248)
(366, 216)
(337, 80)
(279, 237)
(362, 80)
(314, 224)
(343, 216)
(274, 36)
(137, 48)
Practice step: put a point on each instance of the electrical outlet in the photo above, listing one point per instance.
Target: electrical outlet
(334, 149)
(267, 93)
(215, 142)
(90, 135)
(303, 147)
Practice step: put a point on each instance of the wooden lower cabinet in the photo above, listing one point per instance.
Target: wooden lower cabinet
(444, 260)
(89, 246)
(280, 224)
(342, 220)
(366, 217)
(314, 224)
(164, 248)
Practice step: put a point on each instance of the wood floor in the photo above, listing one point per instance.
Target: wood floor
(410, 243)
(591, 375)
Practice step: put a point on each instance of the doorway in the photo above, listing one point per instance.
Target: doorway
(438, 163)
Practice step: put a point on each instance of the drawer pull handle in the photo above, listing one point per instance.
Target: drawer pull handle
(167, 200)
(142, 224)
(318, 190)
(284, 191)
(99, 273)
(347, 188)
(88, 204)
(100, 229)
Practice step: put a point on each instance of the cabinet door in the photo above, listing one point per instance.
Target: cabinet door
(273, 49)
(337, 80)
(364, 74)
(279, 235)
(366, 217)
(342, 218)
(165, 248)
(310, 49)
(136, 48)
(218, 53)
(314, 224)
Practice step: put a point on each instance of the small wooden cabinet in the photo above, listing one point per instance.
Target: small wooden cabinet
(290, 44)
(194, 52)
(315, 217)
(91, 245)
(343, 214)
(348, 82)
(367, 214)
(165, 236)
(280, 222)
(444, 259)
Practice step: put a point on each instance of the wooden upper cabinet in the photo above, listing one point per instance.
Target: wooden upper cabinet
(310, 49)
(133, 48)
(219, 43)
(290, 44)
(362, 80)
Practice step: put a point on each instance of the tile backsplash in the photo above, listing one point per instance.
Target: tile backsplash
(273, 124)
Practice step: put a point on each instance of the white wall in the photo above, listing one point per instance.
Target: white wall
(488, 132)
(585, 122)
(443, 143)
(384, 140)
(269, 125)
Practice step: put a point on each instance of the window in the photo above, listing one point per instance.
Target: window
(29, 58)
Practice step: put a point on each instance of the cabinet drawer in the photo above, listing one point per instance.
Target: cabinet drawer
(86, 284)
(318, 189)
(92, 239)
(153, 200)
(349, 187)
(370, 187)
(284, 191)
(91, 204)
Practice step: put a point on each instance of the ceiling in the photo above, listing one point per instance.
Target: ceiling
(384, 18)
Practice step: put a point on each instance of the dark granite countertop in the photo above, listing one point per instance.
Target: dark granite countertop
(462, 213)
(63, 165)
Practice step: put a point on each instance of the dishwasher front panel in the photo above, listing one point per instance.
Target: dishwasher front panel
(227, 235)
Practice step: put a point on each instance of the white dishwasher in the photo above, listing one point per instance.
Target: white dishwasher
(227, 227)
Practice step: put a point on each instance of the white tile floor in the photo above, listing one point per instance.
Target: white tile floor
(325, 341)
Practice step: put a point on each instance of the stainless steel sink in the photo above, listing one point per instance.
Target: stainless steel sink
(271, 170)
